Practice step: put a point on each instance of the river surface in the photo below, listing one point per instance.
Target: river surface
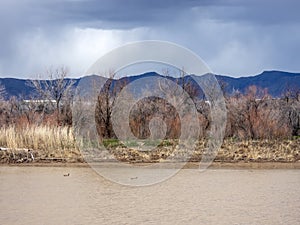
(43, 195)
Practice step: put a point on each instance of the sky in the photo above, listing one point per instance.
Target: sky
(233, 37)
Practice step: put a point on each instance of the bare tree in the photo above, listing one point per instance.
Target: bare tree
(291, 109)
(105, 103)
(33, 110)
(257, 115)
(2, 92)
(56, 90)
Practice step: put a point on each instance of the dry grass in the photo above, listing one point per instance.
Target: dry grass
(38, 138)
(285, 150)
(50, 142)
(45, 143)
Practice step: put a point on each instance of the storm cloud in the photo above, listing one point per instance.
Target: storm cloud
(234, 37)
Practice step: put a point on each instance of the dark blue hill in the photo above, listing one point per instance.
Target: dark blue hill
(276, 83)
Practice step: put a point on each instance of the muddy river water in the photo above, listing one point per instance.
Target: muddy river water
(43, 195)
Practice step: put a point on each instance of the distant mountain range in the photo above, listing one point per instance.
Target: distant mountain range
(275, 82)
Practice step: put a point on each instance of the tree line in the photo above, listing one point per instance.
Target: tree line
(50, 103)
(252, 115)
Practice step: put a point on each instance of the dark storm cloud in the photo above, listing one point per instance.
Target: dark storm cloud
(107, 14)
(261, 12)
(131, 13)
(121, 14)
(263, 34)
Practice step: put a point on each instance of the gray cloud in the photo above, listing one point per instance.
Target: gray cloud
(234, 37)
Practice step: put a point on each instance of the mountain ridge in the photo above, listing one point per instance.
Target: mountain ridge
(276, 83)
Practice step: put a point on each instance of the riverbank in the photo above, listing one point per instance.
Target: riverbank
(188, 165)
(232, 151)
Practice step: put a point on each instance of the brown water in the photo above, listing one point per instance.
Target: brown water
(42, 195)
